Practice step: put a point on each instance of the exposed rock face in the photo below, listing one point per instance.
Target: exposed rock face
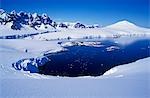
(22, 18)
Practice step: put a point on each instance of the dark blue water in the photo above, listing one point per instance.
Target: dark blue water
(93, 61)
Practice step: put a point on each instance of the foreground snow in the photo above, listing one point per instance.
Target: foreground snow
(14, 50)
(130, 81)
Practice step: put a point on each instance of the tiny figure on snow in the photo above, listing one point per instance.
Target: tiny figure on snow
(26, 50)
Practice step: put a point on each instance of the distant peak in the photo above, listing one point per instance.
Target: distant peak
(125, 22)
(2, 11)
(34, 15)
(122, 24)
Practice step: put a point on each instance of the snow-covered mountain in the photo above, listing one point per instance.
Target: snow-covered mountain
(122, 28)
(71, 25)
(20, 19)
(36, 21)
(123, 24)
(126, 27)
(22, 23)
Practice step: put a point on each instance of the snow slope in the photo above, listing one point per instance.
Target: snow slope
(14, 50)
(126, 27)
(130, 81)
(36, 47)
(136, 69)
(122, 28)
(72, 33)
(6, 30)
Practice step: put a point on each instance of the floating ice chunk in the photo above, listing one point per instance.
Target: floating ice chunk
(112, 48)
(74, 43)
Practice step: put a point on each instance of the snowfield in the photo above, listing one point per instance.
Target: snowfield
(122, 28)
(7, 27)
(129, 81)
(126, 81)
